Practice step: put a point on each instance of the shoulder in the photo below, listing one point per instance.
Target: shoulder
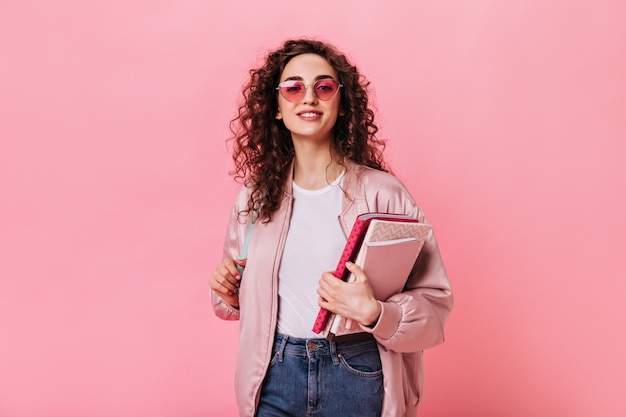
(240, 205)
(382, 191)
(372, 180)
(242, 196)
(374, 177)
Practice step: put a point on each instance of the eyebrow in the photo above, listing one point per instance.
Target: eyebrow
(319, 77)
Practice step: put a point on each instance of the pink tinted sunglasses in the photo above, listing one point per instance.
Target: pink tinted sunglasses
(294, 91)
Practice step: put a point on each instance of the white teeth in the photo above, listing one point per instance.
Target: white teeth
(308, 114)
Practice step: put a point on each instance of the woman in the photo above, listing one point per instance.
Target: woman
(306, 150)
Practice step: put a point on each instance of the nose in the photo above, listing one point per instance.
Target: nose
(309, 94)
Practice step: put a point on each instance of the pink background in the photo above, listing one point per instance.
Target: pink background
(506, 119)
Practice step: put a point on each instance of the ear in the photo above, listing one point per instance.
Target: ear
(342, 112)
(279, 115)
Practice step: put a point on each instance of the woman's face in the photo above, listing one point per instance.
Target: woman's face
(307, 117)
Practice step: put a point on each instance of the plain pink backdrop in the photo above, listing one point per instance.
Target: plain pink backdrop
(506, 120)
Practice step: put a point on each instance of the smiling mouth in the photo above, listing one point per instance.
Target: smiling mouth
(309, 114)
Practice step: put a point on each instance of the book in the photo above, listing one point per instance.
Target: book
(387, 256)
(375, 229)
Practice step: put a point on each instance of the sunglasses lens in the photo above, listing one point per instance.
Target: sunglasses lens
(294, 90)
(326, 89)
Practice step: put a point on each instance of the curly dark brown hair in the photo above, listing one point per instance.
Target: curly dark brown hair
(263, 149)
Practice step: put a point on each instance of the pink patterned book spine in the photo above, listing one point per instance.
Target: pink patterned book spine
(349, 251)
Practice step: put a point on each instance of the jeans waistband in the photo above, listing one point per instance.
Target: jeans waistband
(317, 347)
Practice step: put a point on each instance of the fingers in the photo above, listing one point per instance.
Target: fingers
(321, 302)
(241, 264)
(365, 308)
(329, 295)
(351, 299)
(226, 277)
(327, 283)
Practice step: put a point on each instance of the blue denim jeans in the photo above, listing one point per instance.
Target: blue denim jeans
(318, 378)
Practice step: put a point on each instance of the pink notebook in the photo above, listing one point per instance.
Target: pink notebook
(386, 247)
(387, 256)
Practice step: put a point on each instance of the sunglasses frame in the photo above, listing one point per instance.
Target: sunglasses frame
(294, 82)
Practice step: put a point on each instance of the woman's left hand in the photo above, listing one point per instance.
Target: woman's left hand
(353, 300)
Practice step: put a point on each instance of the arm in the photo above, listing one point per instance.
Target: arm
(225, 278)
(414, 319)
(410, 321)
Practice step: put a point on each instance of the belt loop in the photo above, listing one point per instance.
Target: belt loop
(280, 346)
(333, 353)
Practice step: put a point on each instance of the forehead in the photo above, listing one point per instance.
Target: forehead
(307, 67)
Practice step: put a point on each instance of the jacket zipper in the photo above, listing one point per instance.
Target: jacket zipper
(277, 260)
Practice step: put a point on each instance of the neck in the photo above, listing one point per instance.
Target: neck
(316, 168)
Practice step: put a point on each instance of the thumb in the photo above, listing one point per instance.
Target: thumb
(359, 275)
(241, 264)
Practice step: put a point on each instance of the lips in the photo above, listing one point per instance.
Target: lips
(310, 114)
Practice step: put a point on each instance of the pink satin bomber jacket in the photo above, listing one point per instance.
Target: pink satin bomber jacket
(409, 323)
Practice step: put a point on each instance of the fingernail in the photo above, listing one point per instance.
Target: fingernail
(349, 263)
(237, 277)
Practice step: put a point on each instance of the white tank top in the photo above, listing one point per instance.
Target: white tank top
(314, 244)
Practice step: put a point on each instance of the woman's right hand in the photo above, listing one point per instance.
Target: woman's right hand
(225, 280)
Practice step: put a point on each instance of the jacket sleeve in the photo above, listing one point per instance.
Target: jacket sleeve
(414, 319)
(233, 241)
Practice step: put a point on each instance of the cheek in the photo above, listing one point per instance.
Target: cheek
(338, 110)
